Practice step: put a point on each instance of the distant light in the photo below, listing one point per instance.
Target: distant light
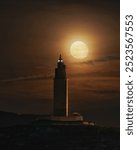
(60, 60)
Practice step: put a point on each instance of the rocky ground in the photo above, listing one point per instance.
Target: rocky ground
(59, 137)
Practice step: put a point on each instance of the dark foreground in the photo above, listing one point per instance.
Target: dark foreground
(59, 137)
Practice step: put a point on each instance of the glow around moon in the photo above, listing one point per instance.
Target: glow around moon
(79, 50)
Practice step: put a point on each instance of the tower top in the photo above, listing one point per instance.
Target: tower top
(60, 70)
(60, 58)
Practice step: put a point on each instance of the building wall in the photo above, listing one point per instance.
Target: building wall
(61, 97)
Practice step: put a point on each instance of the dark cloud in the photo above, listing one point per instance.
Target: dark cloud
(26, 104)
(34, 77)
(96, 74)
(109, 58)
(104, 91)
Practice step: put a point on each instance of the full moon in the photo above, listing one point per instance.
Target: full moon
(79, 50)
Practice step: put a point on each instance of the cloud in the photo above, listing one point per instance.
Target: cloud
(34, 105)
(97, 74)
(25, 78)
(107, 91)
(105, 59)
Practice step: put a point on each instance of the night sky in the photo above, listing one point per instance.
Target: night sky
(32, 35)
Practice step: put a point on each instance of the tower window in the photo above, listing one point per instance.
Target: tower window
(60, 60)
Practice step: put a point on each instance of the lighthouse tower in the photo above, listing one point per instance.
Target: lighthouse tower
(60, 89)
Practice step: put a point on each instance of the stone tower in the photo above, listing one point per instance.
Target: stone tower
(60, 89)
